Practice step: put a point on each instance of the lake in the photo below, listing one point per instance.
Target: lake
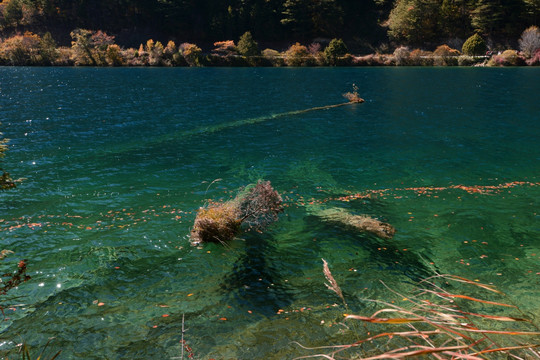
(117, 161)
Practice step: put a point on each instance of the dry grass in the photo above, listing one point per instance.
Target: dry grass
(259, 205)
(219, 222)
(255, 207)
(434, 322)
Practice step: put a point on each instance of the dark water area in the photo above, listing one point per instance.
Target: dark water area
(116, 163)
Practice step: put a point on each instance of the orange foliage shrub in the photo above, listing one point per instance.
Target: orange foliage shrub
(445, 55)
(225, 48)
(298, 55)
(421, 58)
(20, 49)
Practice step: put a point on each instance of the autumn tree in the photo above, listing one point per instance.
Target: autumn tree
(192, 54)
(298, 55)
(90, 47)
(82, 47)
(530, 41)
(20, 50)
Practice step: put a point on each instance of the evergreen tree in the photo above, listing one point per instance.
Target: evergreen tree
(533, 11)
(414, 22)
(12, 13)
(312, 18)
(327, 18)
(47, 49)
(296, 17)
(487, 16)
(455, 19)
(247, 46)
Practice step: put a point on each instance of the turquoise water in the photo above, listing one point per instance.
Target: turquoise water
(117, 161)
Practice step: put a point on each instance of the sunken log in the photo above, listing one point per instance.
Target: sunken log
(361, 223)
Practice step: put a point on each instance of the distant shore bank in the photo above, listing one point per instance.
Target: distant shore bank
(96, 48)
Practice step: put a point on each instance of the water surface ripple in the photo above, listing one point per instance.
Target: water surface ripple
(117, 161)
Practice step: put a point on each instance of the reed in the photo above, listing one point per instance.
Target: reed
(431, 321)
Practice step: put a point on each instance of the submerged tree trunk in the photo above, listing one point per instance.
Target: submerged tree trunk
(361, 223)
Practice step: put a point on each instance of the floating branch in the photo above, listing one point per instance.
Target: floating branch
(332, 283)
(254, 208)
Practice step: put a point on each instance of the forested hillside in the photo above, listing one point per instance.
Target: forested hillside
(360, 22)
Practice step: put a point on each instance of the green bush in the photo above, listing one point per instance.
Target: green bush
(507, 58)
(273, 57)
(335, 50)
(474, 46)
